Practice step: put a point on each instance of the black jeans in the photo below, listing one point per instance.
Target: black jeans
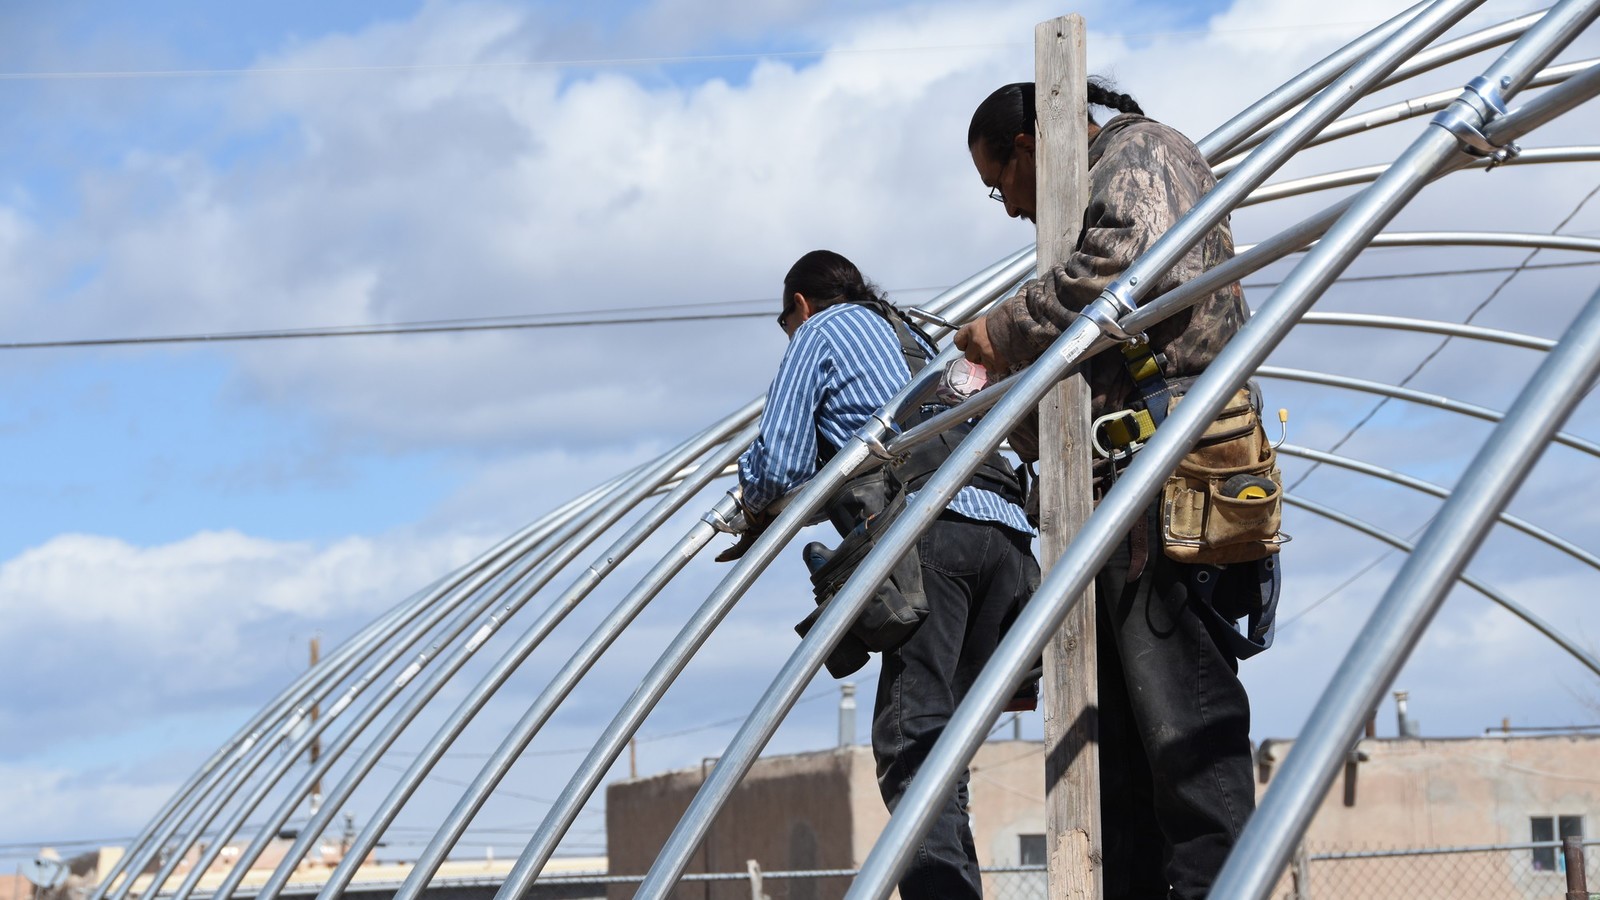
(977, 576)
(1175, 769)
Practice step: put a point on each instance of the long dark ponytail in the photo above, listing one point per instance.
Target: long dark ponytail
(826, 278)
(1010, 111)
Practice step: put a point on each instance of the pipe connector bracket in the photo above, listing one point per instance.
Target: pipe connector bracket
(1479, 104)
(872, 433)
(727, 515)
(1108, 309)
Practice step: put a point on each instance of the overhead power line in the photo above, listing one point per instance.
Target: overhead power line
(606, 317)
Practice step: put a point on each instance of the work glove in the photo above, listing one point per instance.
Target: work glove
(754, 524)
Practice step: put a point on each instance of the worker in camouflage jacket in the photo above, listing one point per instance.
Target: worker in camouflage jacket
(1175, 765)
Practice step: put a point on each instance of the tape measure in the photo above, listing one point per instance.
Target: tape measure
(1249, 487)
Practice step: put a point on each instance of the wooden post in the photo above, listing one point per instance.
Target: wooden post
(1577, 878)
(1072, 766)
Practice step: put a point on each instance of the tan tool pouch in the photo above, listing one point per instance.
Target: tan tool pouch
(1200, 522)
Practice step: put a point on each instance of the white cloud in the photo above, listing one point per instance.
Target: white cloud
(392, 196)
(103, 633)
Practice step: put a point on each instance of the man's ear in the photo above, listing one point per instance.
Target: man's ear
(803, 306)
(1023, 143)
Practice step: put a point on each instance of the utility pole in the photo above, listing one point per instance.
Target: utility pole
(1070, 694)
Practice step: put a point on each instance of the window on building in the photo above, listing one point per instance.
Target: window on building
(1552, 828)
(1030, 849)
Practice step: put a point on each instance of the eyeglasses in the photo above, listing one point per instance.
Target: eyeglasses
(783, 317)
(995, 193)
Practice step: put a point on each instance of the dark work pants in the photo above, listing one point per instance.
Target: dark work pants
(1175, 770)
(977, 576)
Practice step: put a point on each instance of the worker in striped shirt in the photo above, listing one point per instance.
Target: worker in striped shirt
(844, 362)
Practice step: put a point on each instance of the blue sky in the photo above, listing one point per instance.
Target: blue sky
(186, 517)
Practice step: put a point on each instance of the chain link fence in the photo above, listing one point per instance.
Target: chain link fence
(999, 883)
(1500, 871)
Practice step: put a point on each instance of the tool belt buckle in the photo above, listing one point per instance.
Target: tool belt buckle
(1103, 424)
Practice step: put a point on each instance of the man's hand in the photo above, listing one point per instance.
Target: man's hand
(973, 340)
(755, 523)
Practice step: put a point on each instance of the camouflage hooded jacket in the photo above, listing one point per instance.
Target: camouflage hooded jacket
(1143, 176)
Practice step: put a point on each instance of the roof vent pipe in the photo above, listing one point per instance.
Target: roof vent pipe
(847, 714)
(1407, 726)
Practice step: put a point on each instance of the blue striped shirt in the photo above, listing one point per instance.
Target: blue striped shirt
(842, 366)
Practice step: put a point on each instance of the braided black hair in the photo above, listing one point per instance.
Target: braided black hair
(1010, 111)
(825, 278)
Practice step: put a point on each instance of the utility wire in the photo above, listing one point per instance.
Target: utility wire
(1441, 345)
(1388, 552)
(608, 317)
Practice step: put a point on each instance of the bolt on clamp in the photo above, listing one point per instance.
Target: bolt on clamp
(1108, 308)
(1479, 104)
(872, 433)
(727, 516)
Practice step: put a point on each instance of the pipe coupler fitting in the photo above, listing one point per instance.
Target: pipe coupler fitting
(1480, 103)
(1108, 309)
(727, 515)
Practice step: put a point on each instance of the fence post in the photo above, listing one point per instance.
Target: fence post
(1302, 874)
(1072, 771)
(754, 868)
(1577, 879)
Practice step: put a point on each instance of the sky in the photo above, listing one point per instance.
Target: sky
(187, 517)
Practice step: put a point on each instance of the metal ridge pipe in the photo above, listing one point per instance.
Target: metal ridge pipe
(1129, 499)
(1438, 401)
(980, 290)
(1113, 302)
(1411, 601)
(1429, 326)
(1547, 106)
(1224, 139)
(1516, 609)
(1414, 107)
(427, 864)
(249, 734)
(430, 612)
(1427, 487)
(1126, 290)
(424, 760)
(1268, 838)
(453, 591)
(603, 517)
(1367, 174)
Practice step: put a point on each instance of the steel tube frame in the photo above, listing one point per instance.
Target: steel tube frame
(1542, 535)
(1253, 258)
(1409, 605)
(1405, 110)
(1367, 174)
(979, 291)
(424, 761)
(241, 744)
(1415, 594)
(1429, 326)
(1113, 304)
(247, 736)
(603, 517)
(1367, 215)
(251, 755)
(1437, 401)
(1261, 114)
(505, 756)
(1426, 61)
(1543, 627)
(1547, 106)
(435, 606)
